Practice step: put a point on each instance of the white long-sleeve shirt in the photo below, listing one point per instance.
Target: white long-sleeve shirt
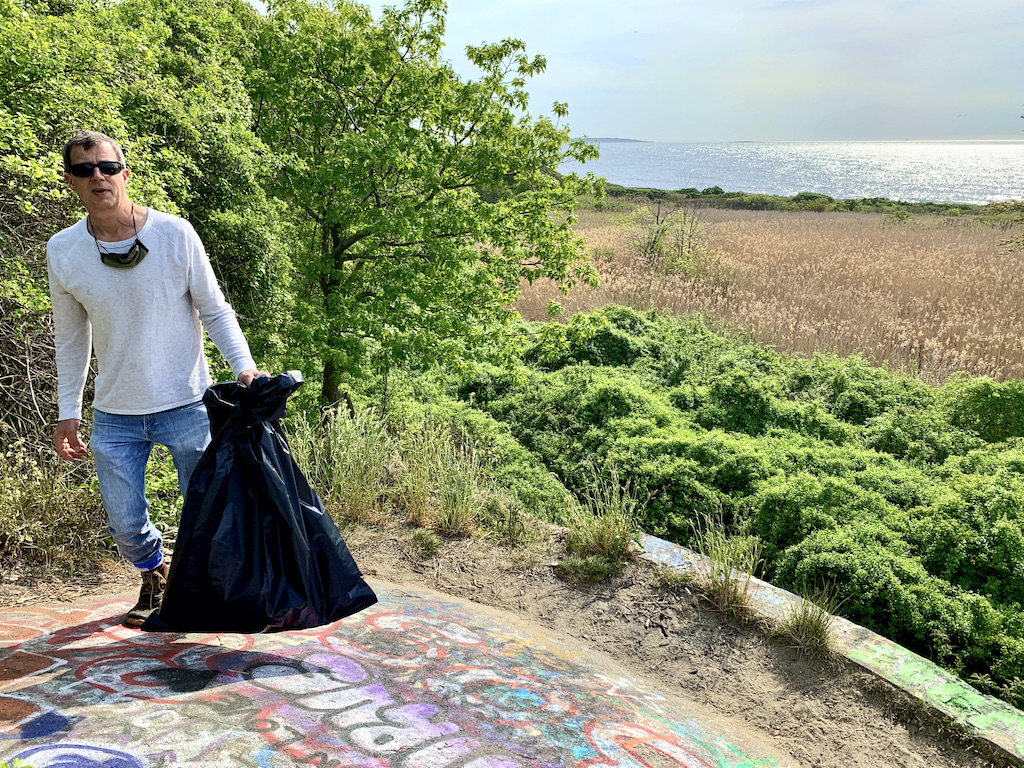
(145, 323)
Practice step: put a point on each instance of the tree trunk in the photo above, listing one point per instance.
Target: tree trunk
(331, 389)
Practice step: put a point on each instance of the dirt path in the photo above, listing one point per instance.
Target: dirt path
(826, 714)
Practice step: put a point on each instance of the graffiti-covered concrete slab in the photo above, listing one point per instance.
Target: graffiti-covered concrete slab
(419, 680)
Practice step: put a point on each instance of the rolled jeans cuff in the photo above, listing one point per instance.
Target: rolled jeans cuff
(152, 563)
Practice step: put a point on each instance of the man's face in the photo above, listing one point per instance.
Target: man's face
(98, 192)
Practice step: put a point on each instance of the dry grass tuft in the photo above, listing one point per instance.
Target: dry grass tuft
(731, 563)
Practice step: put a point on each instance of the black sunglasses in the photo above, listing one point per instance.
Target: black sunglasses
(107, 168)
(124, 260)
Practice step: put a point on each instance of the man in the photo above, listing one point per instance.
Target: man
(136, 286)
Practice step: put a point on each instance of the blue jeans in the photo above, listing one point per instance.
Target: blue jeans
(121, 446)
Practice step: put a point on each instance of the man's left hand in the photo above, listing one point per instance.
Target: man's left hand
(246, 377)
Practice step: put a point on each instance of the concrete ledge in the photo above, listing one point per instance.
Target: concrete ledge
(986, 717)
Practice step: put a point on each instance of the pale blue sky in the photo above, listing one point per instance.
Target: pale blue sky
(761, 70)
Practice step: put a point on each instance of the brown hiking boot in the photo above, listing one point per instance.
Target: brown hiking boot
(152, 592)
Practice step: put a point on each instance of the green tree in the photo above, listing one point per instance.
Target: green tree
(423, 198)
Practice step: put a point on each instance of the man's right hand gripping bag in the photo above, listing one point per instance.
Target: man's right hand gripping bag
(256, 550)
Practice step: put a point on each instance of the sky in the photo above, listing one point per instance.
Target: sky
(763, 70)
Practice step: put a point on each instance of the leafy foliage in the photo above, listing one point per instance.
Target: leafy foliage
(424, 198)
(903, 501)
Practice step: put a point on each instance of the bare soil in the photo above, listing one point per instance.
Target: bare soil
(825, 712)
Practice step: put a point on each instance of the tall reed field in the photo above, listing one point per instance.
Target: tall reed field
(926, 295)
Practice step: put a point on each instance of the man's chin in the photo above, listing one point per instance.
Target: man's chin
(103, 199)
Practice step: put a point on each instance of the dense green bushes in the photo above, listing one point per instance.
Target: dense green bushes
(906, 500)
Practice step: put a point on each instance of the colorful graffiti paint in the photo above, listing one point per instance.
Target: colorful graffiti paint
(413, 681)
(989, 718)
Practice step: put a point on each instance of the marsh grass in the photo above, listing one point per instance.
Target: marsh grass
(732, 563)
(929, 296)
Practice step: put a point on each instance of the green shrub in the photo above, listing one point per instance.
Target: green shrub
(811, 197)
(790, 509)
(854, 391)
(845, 474)
(921, 436)
(904, 487)
(810, 419)
(992, 411)
(882, 589)
(738, 401)
(971, 534)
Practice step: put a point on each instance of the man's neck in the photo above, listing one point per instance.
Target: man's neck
(114, 225)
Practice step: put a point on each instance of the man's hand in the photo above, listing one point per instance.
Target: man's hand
(67, 441)
(246, 377)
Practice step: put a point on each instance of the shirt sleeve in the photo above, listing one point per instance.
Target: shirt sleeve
(72, 340)
(216, 315)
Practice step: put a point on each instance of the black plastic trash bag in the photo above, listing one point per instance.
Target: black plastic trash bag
(255, 550)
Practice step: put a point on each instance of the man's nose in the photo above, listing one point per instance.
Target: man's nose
(96, 172)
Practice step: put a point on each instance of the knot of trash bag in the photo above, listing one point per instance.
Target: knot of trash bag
(264, 400)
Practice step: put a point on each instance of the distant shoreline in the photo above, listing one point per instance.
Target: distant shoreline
(609, 140)
(617, 140)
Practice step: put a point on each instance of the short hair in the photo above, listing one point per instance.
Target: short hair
(88, 140)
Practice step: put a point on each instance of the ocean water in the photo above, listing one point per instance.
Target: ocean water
(938, 171)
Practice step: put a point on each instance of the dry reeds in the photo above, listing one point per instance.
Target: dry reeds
(929, 296)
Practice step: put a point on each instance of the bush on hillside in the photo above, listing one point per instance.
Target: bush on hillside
(992, 411)
(919, 436)
(854, 391)
(850, 475)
